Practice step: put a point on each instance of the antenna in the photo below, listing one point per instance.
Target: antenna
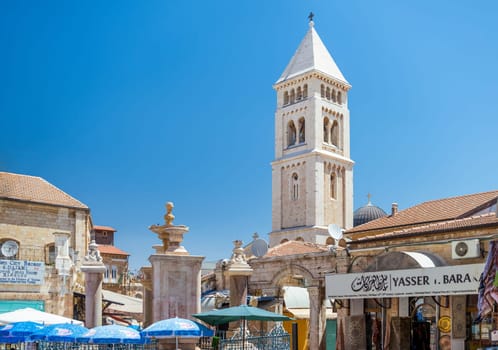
(335, 231)
(259, 247)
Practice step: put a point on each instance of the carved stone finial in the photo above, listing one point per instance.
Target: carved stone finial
(169, 217)
(238, 255)
(93, 252)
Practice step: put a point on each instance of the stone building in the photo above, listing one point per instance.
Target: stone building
(438, 246)
(411, 279)
(116, 276)
(43, 234)
(312, 187)
(312, 173)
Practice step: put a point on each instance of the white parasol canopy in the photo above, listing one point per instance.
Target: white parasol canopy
(29, 314)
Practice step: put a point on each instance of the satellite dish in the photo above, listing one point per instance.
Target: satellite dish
(259, 247)
(335, 231)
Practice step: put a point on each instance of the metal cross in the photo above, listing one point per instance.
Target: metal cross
(311, 15)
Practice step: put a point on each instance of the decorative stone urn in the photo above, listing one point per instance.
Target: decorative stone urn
(170, 235)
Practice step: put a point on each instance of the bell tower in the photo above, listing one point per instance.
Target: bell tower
(312, 173)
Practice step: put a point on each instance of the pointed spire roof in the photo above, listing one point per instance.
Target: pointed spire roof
(312, 55)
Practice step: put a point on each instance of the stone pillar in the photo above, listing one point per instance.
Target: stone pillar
(176, 286)
(343, 262)
(93, 268)
(239, 272)
(147, 296)
(63, 265)
(318, 317)
(176, 279)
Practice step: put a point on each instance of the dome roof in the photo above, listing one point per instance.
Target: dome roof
(367, 213)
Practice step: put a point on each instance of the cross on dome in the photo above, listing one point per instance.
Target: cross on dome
(310, 17)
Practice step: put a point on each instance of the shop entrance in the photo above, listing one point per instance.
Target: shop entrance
(419, 330)
(423, 330)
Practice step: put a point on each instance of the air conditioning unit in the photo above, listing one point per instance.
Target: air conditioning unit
(466, 249)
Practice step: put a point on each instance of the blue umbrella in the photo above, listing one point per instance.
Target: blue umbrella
(9, 339)
(20, 329)
(64, 332)
(173, 327)
(111, 334)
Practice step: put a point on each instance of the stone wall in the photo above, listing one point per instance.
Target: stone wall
(32, 225)
(293, 204)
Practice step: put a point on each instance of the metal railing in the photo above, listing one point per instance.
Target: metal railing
(266, 342)
(276, 339)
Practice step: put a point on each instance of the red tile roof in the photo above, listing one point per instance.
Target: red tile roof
(480, 221)
(35, 189)
(295, 247)
(432, 211)
(104, 228)
(110, 249)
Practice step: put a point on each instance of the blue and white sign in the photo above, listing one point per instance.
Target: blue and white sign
(444, 280)
(22, 272)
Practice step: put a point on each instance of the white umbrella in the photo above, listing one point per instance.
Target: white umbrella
(29, 314)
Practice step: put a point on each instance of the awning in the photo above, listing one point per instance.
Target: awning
(123, 303)
(297, 302)
(304, 314)
(404, 260)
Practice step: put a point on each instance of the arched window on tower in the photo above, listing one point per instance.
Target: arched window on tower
(334, 96)
(305, 91)
(286, 98)
(326, 130)
(322, 90)
(291, 134)
(339, 98)
(333, 186)
(327, 93)
(302, 130)
(295, 187)
(292, 96)
(334, 134)
(299, 94)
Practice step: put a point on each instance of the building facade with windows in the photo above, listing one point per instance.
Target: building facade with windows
(44, 233)
(411, 279)
(312, 173)
(116, 277)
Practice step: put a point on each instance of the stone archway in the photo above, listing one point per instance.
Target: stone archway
(293, 275)
(307, 270)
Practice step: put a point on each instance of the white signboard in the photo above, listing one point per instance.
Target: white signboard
(445, 280)
(22, 272)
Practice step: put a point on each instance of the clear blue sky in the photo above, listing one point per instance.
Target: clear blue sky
(126, 105)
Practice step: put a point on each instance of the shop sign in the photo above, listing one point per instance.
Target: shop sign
(22, 272)
(445, 280)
